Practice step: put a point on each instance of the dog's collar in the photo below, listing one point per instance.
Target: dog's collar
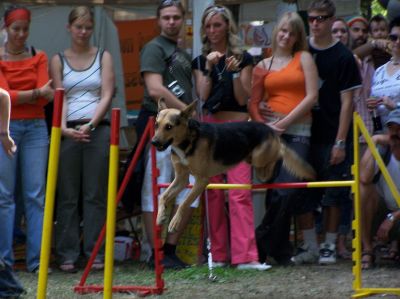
(181, 154)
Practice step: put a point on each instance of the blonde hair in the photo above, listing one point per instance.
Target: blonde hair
(233, 40)
(297, 26)
(80, 12)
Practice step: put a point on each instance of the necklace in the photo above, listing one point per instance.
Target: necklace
(394, 62)
(14, 52)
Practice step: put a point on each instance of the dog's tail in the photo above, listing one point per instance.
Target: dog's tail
(295, 164)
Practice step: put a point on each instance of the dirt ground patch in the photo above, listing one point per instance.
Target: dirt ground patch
(311, 281)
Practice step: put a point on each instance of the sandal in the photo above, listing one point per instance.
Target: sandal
(367, 260)
(97, 265)
(345, 255)
(68, 267)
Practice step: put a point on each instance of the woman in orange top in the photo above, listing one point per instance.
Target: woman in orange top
(289, 89)
(24, 74)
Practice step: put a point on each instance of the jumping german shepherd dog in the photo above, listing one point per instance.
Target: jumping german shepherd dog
(205, 150)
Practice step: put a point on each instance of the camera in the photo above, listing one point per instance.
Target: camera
(176, 89)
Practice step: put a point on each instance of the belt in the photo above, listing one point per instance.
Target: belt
(74, 123)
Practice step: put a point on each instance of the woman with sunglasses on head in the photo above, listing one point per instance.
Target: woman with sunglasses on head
(222, 77)
(288, 86)
(385, 89)
(86, 73)
(24, 75)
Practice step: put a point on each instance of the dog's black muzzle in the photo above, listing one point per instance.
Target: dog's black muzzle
(161, 146)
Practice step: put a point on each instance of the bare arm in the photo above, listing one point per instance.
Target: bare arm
(203, 84)
(6, 140)
(367, 163)
(311, 81)
(156, 89)
(242, 85)
(346, 114)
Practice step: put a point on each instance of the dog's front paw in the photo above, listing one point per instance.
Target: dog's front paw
(161, 215)
(175, 222)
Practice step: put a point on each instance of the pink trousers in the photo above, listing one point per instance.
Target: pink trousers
(239, 234)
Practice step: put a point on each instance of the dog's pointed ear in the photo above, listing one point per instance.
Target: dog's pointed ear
(188, 111)
(161, 104)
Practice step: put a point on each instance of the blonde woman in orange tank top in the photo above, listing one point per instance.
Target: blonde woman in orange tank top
(284, 89)
(290, 88)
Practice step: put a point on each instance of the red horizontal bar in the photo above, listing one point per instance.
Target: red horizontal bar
(118, 289)
(260, 186)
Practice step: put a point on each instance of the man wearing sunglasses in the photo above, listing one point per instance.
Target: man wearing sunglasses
(331, 140)
(380, 211)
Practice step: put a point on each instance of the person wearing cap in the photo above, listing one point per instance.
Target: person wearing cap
(24, 75)
(378, 203)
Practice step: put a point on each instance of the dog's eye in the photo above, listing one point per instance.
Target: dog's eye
(168, 127)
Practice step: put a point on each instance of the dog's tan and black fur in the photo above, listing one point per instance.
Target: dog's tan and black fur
(205, 150)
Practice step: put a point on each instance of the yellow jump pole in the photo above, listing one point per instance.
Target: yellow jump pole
(50, 193)
(111, 203)
(356, 224)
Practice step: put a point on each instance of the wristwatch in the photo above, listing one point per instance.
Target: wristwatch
(390, 217)
(340, 143)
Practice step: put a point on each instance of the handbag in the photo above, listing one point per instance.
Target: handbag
(214, 101)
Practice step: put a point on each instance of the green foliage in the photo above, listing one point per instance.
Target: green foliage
(376, 8)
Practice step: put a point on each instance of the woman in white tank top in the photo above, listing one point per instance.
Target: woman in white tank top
(86, 73)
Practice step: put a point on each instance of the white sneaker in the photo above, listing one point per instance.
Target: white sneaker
(218, 264)
(305, 255)
(327, 254)
(250, 266)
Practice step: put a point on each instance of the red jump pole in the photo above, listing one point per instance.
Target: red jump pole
(51, 183)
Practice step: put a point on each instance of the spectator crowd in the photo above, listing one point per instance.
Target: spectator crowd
(306, 89)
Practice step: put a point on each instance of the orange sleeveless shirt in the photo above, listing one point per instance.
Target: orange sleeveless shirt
(286, 88)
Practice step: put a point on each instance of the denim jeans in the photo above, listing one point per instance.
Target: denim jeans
(27, 167)
(9, 284)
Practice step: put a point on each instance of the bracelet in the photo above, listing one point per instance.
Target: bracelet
(235, 75)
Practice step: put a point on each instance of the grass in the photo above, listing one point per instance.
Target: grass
(60, 285)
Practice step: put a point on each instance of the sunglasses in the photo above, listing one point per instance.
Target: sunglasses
(394, 37)
(319, 19)
(170, 2)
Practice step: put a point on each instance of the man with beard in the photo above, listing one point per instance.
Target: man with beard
(375, 49)
(380, 211)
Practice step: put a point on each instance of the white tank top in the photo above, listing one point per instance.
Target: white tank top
(82, 88)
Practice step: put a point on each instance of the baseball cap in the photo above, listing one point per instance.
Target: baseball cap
(393, 117)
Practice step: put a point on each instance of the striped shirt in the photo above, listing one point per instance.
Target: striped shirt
(82, 88)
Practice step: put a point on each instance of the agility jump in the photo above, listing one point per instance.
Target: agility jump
(359, 291)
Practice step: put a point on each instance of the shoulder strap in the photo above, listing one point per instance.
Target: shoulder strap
(33, 51)
(101, 52)
(61, 56)
(270, 63)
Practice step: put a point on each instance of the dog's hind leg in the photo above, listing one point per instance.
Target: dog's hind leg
(264, 158)
(198, 187)
(180, 181)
